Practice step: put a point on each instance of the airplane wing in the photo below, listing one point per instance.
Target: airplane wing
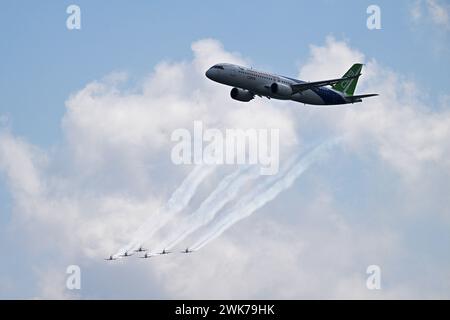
(310, 85)
(359, 98)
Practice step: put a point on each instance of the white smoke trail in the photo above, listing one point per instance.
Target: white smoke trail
(177, 202)
(262, 195)
(228, 189)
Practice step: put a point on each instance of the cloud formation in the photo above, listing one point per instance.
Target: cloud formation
(436, 11)
(113, 171)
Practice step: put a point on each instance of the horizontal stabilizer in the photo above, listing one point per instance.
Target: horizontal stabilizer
(359, 98)
(310, 85)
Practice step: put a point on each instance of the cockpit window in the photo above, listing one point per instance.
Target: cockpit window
(218, 67)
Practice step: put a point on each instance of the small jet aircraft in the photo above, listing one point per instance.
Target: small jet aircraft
(146, 256)
(165, 252)
(140, 249)
(111, 258)
(187, 251)
(126, 254)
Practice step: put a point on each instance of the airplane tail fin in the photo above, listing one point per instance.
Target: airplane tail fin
(348, 86)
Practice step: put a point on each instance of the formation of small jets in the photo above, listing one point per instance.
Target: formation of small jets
(146, 255)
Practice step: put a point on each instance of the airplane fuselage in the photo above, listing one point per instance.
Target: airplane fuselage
(260, 83)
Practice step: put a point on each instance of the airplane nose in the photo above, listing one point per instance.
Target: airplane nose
(208, 73)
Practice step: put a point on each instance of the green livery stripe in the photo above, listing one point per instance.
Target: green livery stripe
(348, 87)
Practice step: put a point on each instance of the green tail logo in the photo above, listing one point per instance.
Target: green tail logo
(348, 86)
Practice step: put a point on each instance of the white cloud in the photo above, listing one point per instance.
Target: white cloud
(102, 120)
(329, 61)
(439, 12)
(401, 128)
(321, 257)
(52, 285)
(416, 10)
(88, 196)
(436, 11)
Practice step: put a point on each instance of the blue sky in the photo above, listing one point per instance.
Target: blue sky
(43, 66)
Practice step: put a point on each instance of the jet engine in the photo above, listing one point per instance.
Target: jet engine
(281, 89)
(241, 95)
